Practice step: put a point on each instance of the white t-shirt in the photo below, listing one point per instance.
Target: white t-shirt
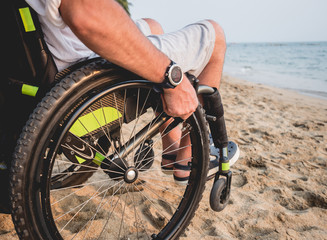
(191, 47)
(65, 47)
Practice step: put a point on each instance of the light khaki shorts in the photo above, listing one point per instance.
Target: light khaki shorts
(190, 47)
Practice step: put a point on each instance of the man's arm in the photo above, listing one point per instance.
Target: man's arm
(104, 27)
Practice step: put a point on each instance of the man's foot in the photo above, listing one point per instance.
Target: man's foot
(167, 163)
(170, 147)
(176, 154)
(181, 174)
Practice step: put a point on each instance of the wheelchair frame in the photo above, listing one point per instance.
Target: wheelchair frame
(40, 74)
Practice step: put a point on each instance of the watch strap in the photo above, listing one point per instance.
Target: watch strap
(166, 83)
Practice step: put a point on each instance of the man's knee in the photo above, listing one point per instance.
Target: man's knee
(220, 35)
(155, 27)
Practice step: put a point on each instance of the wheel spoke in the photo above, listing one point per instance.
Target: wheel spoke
(82, 205)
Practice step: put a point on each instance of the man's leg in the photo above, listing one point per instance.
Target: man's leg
(171, 141)
(155, 27)
(210, 75)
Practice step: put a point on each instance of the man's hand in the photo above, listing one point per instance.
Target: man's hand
(181, 101)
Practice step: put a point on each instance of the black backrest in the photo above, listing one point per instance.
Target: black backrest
(27, 70)
(27, 58)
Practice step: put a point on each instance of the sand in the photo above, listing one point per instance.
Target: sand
(279, 183)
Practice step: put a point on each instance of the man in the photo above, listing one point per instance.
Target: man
(77, 29)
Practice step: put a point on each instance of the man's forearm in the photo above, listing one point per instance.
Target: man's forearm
(105, 28)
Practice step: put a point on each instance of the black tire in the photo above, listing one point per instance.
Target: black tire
(217, 196)
(149, 206)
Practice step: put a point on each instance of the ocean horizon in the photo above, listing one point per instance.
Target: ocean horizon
(298, 66)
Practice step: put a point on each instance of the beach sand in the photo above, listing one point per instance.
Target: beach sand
(279, 188)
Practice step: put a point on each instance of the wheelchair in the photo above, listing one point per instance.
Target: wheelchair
(83, 147)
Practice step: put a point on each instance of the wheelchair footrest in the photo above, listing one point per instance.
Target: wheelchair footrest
(233, 155)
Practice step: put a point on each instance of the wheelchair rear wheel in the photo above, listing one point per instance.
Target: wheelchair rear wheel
(88, 163)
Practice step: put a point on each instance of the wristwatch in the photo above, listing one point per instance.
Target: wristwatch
(173, 76)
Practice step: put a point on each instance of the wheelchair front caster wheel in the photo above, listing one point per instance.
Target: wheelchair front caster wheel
(218, 195)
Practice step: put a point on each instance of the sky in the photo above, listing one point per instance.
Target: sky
(243, 20)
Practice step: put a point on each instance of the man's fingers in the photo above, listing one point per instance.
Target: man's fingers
(186, 116)
(175, 109)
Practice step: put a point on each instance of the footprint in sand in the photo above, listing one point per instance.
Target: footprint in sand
(297, 198)
(156, 219)
(257, 163)
(208, 228)
(239, 180)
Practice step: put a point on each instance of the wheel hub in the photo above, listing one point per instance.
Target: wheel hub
(131, 175)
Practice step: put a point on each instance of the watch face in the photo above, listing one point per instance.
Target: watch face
(176, 74)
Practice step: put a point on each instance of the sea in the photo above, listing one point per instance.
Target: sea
(298, 66)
